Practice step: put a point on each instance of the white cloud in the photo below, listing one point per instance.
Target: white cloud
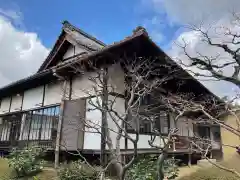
(196, 45)
(182, 12)
(155, 26)
(14, 15)
(21, 52)
(194, 11)
(157, 36)
(11, 14)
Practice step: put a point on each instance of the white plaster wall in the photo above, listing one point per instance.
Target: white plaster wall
(70, 52)
(54, 92)
(5, 105)
(92, 139)
(79, 50)
(119, 106)
(73, 50)
(84, 40)
(33, 98)
(143, 142)
(116, 78)
(16, 103)
(82, 86)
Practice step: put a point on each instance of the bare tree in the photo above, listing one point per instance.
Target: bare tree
(220, 59)
(205, 110)
(216, 57)
(142, 77)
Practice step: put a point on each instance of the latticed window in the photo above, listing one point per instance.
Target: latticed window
(5, 129)
(163, 122)
(155, 123)
(39, 124)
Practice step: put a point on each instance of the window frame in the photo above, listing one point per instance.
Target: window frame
(31, 133)
(158, 117)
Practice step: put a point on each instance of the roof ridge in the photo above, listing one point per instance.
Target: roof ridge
(67, 24)
(140, 29)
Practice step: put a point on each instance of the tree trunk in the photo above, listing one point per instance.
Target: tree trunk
(160, 163)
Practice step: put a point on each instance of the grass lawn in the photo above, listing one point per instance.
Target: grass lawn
(214, 173)
(46, 174)
(4, 169)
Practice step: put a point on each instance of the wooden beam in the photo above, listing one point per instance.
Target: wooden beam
(10, 104)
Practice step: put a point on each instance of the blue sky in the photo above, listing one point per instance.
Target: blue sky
(108, 20)
(29, 28)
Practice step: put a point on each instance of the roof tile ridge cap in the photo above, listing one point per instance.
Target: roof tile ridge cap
(67, 25)
(140, 30)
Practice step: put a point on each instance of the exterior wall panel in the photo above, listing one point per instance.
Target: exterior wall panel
(143, 142)
(85, 40)
(92, 139)
(5, 105)
(119, 106)
(16, 103)
(82, 86)
(116, 78)
(33, 98)
(79, 50)
(54, 93)
(70, 52)
(73, 50)
(73, 124)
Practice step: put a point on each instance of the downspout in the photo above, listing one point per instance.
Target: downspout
(60, 119)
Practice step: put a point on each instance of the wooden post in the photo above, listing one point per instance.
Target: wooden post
(189, 159)
(174, 144)
(190, 156)
(59, 128)
(103, 155)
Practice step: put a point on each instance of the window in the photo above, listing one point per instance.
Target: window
(39, 124)
(148, 125)
(164, 122)
(203, 131)
(49, 122)
(145, 126)
(35, 124)
(5, 128)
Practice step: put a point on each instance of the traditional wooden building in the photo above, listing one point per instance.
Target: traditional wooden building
(30, 109)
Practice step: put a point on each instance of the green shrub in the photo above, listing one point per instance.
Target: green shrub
(146, 169)
(78, 171)
(26, 162)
